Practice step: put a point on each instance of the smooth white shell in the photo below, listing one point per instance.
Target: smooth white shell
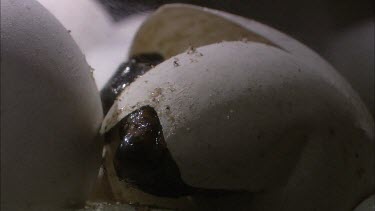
(264, 116)
(50, 113)
(104, 43)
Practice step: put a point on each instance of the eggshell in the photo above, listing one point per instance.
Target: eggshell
(351, 51)
(50, 113)
(266, 114)
(209, 95)
(366, 205)
(173, 28)
(258, 121)
(176, 27)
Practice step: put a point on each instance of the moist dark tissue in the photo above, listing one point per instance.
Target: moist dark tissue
(142, 158)
(126, 73)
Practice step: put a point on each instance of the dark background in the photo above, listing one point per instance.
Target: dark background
(311, 22)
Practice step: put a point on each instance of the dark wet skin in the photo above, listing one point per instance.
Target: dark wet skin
(126, 73)
(143, 159)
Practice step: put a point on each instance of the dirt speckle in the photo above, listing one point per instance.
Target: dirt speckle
(175, 62)
(171, 119)
(191, 50)
(169, 115)
(156, 93)
(171, 88)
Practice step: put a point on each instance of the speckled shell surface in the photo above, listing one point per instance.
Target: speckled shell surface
(265, 115)
(256, 120)
(50, 113)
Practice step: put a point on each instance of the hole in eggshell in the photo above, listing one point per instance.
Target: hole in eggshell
(126, 73)
(143, 160)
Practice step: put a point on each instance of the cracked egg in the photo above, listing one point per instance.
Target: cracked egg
(238, 112)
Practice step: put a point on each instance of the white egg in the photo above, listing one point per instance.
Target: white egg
(50, 113)
(266, 115)
(104, 43)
